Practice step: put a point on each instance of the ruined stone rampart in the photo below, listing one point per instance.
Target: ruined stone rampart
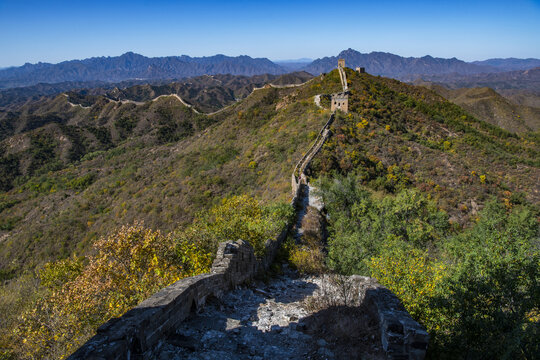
(402, 337)
(298, 172)
(134, 335)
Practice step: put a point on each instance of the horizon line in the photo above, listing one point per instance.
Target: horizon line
(290, 59)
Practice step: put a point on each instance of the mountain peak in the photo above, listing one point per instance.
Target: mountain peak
(349, 52)
(131, 55)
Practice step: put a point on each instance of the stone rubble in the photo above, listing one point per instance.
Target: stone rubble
(264, 321)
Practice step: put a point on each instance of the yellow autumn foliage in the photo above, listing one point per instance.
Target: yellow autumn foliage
(126, 267)
(413, 277)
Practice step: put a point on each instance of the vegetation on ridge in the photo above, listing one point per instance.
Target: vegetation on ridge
(429, 199)
(76, 295)
(425, 198)
(248, 149)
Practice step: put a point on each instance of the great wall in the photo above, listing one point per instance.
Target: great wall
(230, 313)
(185, 103)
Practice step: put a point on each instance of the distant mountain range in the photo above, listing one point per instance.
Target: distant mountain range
(395, 66)
(131, 66)
(510, 64)
(134, 66)
(508, 80)
(294, 64)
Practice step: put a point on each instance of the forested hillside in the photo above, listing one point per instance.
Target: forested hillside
(440, 207)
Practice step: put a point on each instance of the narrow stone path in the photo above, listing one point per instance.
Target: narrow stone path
(343, 78)
(270, 321)
(314, 199)
(307, 193)
(317, 101)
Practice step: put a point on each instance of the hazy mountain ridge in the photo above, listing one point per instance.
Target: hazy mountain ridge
(492, 107)
(135, 66)
(240, 86)
(391, 65)
(510, 64)
(519, 79)
(205, 93)
(18, 95)
(294, 64)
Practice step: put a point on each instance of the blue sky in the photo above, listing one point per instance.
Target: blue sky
(53, 31)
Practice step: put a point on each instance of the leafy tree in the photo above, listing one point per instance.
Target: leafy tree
(128, 266)
(494, 293)
(477, 291)
(415, 278)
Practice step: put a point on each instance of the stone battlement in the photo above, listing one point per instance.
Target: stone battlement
(136, 334)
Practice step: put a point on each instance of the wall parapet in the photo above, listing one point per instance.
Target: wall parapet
(133, 335)
(402, 337)
(298, 176)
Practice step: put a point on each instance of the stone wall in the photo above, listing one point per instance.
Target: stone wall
(136, 333)
(402, 337)
(298, 175)
(133, 335)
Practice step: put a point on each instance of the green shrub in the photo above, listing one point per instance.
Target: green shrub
(360, 223)
(477, 291)
(82, 182)
(237, 218)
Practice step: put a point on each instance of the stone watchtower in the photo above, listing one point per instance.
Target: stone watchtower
(340, 101)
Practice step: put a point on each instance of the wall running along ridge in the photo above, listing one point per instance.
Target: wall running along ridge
(298, 176)
(134, 334)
